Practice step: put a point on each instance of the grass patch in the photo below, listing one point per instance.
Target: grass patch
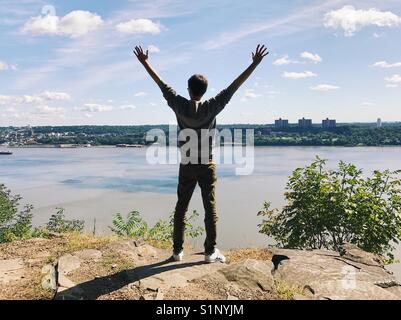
(114, 261)
(285, 291)
(238, 255)
(80, 241)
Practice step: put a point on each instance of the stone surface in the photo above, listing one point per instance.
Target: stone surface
(169, 274)
(250, 274)
(88, 254)
(11, 270)
(139, 242)
(148, 296)
(65, 283)
(322, 274)
(319, 274)
(353, 253)
(160, 294)
(136, 250)
(68, 263)
(49, 278)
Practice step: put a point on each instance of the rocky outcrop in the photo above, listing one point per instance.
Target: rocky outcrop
(353, 274)
(133, 269)
(249, 274)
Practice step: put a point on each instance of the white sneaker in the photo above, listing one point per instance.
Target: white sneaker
(216, 256)
(179, 256)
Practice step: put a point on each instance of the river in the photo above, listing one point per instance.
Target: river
(99, 182)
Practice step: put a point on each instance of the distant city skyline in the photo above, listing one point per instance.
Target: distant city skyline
(71, 62)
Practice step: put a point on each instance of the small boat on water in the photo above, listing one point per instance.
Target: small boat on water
(6, 153)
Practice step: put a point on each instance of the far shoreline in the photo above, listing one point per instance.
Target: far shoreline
(144, 146)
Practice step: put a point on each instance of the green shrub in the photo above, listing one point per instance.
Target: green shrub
(14, 223)
(135, 226)
(327, 208)
(59, 224)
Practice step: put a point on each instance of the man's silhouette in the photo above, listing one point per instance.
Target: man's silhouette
(197, 166)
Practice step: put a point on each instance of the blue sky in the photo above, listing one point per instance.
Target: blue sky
(70, 62)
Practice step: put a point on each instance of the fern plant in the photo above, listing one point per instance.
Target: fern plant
(162, 231)
(133, 226)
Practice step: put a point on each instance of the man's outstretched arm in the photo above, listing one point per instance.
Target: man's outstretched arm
(173, 100)
(143, 59)
(257, 57)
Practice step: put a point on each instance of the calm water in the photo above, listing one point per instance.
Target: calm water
(98, 182)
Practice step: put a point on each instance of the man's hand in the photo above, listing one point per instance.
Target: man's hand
(257, 57)
(142, 56)
(261, 52)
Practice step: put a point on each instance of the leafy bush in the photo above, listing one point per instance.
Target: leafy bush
(327, 208)
(58, 223)
(14, 223)
(135, 226)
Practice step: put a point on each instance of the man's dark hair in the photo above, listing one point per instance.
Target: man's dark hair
(197, 84)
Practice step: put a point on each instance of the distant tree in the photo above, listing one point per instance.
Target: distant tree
(327, 208)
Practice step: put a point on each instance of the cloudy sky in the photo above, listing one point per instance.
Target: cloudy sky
(71, 62)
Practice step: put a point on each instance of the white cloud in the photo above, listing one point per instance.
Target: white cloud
(352, 20)
(385, 64)
(4, 100)
(153, 49)
(305, 17)
(368, 104)
(5, 66)
(299, 75)
(378, 35)
(250, 93)
(49, 110)
(94, 107)
(74, 24)
(128, 107)
(54, 96)
(310, 56)
(36, 99)
(283, 61)
(139, 26)
(324, 87)
(393, 81)
(29, 99)
(140, 94)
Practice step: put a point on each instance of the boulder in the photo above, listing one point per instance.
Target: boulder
(65, 283)
(250, 274)
(68, 263)
(135, 250)
(353, 274)
(49, 278)
(354, 253)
